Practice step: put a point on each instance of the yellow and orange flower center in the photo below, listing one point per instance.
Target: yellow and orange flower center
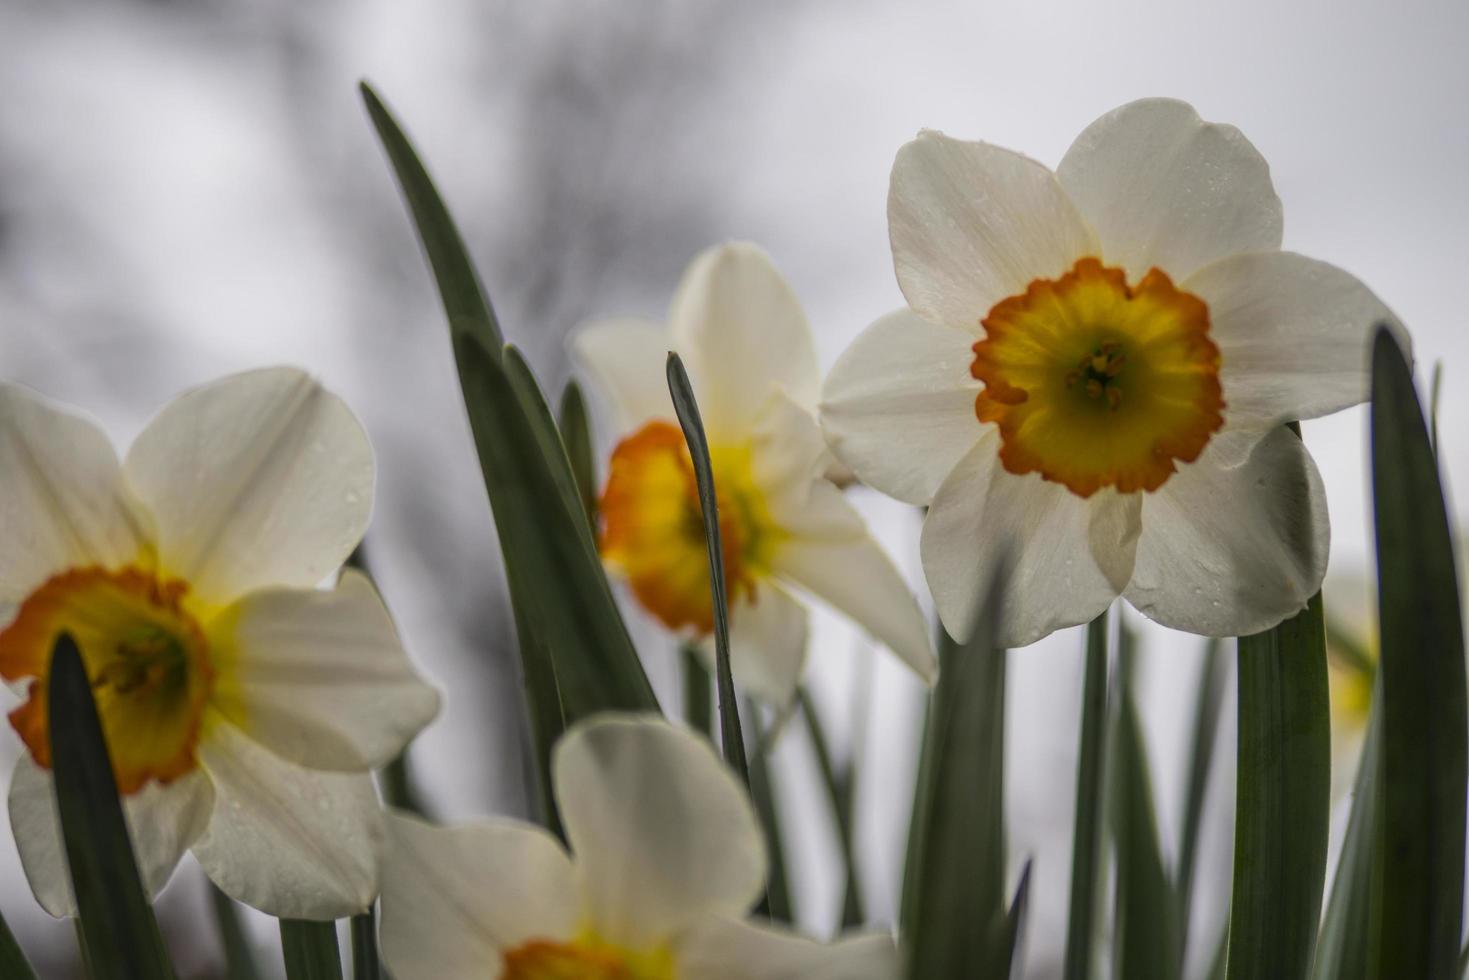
(653, 532)
(147, 659)
(1095, 383)
(587, 958)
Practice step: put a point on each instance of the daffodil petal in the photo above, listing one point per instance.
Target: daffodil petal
(767, 643)
(788, 452)
(661, 832)
(971, 224)
(1230, 551)
(829, 554)
(163, 821)
(1294, 336)
(319, 677)
(741, 332)
(292, 842)
(625, 359)
(455, 898)
(728, 949)
(62, 500)
(983, 516)
(1164, 188)
(263, 478)
(898, 407)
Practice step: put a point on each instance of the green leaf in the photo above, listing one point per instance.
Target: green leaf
(565, 612)
(838, 786)
(1207, 705)
(13, 964)
(576, 657)
(310, 950)
(365, 962)
(1424, 731)
(693, 431)
(1343, 951)
(400, 789)
(957, 840)
(1086, 849)
(239, 959)
(576, 432)
(698, 690)
(120, 937)
(777, 904)
(1147, 940)
(1008, 947)
(1283, 798)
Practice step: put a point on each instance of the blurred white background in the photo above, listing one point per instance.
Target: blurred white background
(193, 189)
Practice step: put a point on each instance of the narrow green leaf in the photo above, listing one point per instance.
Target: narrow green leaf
(13, 964)
(1424, 731)
(1010, 942)
(399, 788)
(1283, 797)
(1434, 390)
(120, 937)
(698, 691)
(576, 433)
(239, 959)
(365, 961)
(464, 300)
(777, 903)
(958, 891)
(310, 950)
(1147, 939)
(838, 786)
(1207, 705)
(693, 430)
(1086, 843)
(1343, 951)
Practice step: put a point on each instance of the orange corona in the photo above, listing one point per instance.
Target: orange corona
(146, 656)
(1095, 383)
(586, 959)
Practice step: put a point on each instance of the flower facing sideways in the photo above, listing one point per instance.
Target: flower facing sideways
(1097, 364)
(666, 859)
(784, 526)
(243, 707)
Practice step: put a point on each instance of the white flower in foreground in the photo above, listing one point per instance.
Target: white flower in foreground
(243, 707)
(747, 348)
(1096, 365)
(666, 859)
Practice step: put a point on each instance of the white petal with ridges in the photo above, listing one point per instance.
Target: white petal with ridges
(319, 676)
(1233, 551)
(455, 898)
(971, 224)
(741, 331)
(661, 832)
(625, 359)
(1164, 188)
(829, 554)
(263, 478)
(983, 516)
(292, 842)
(898, 407)
(1294, 338)
(728, 949)
(163, 821)
(767, 644)
(62, 499)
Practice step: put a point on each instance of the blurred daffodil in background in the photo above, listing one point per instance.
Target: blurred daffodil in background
(1100, 360)
(786, 528)
(243, 706)
(666, 858)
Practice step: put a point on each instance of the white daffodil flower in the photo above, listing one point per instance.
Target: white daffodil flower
(666, 860)
(243, 707)
(1096, 366)
(746, 345)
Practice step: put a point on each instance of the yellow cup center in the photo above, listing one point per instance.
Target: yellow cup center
(1096, 383)
(587, 958)
(146, 657)
(653, 532)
